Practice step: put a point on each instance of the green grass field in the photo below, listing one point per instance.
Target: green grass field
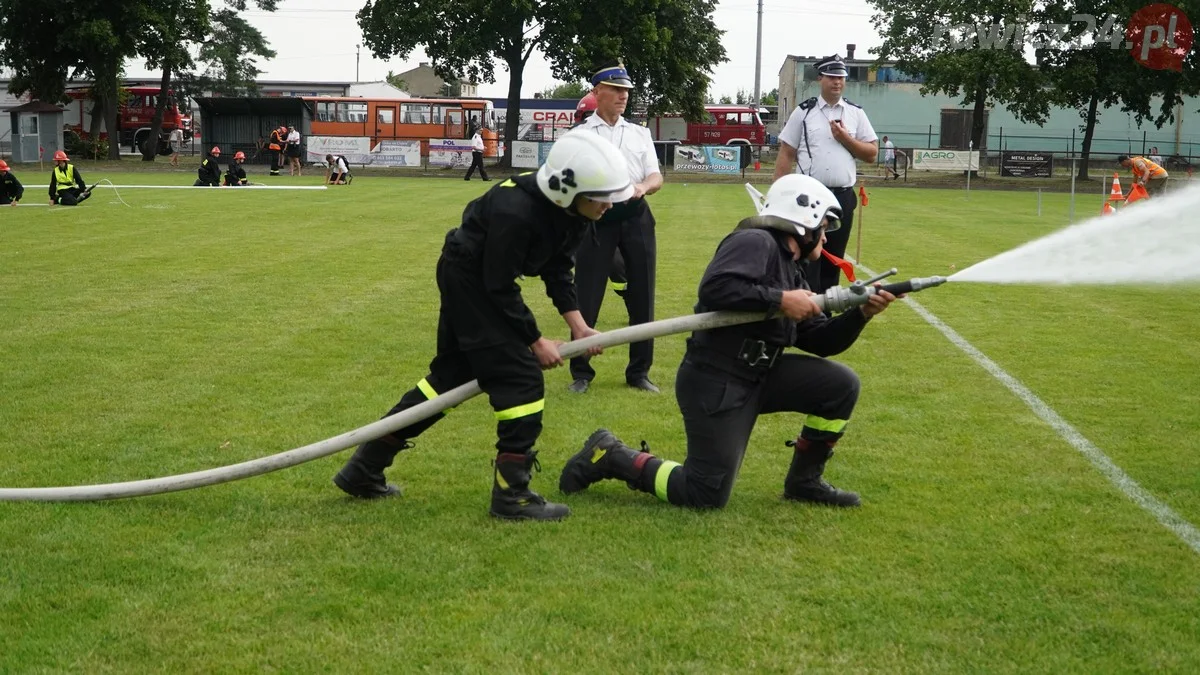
(192, 329)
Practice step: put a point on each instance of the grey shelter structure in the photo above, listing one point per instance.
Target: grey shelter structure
(37, 131)
(245, 124)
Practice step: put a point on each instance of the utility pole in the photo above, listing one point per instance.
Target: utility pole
(358, 51)
(758, 59)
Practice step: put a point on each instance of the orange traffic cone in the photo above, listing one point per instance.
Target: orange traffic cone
(1137, 193)
(1108, 209)
(1115, 195)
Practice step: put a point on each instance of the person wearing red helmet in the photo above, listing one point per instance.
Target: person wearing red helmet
(210, 170)
(585, 108)
(11, 189)
(236, 175)
(66, 184)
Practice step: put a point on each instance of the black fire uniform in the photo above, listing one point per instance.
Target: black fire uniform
(235, 175)
(67, 187)
(628, 228)
(276, 145)
(11, 189)
(729, 376)
(485, 329)
(209, 173)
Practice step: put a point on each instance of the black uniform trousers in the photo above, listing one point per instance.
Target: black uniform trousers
(822, 274)
(720, 409)
(476, 161)
(628, 228)
(475, 342)
(72, 196)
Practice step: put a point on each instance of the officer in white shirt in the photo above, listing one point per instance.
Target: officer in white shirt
(477, 156)
(823, 138)
(626, 227)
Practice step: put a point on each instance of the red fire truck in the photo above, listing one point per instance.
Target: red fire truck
(134, 115)
(722, 125)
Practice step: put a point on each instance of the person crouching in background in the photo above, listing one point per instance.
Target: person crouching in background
(338, 172)
(235, 175)
(209, 173)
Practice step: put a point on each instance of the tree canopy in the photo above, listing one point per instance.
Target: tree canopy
(47, 45)
(669, 46)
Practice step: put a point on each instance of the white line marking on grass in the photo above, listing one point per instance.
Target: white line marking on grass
(1140, 496)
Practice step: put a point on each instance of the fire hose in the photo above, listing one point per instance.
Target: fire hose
(835, 300)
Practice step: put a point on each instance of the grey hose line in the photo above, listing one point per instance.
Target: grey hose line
(283, 460)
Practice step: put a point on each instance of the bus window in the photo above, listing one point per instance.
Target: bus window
(386, 115)
(325, 111)
(708, 118)
(439, 114)
(731, 118)
(411, 113)
(355, 112)
(748, 118)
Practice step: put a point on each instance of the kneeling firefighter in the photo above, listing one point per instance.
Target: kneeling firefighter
(527, 226)
(66, 183)
(729, 376)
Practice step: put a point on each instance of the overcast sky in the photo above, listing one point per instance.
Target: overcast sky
(315, 41)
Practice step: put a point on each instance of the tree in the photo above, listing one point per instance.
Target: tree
(668, 44)
(452, 87)
(725, 99)
(971, 53)
(1106, 74)
(573, 90)
(771, 97)
(225, 44)
(396, 81)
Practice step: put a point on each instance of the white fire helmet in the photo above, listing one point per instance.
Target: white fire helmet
(582, 163)
(795, 204)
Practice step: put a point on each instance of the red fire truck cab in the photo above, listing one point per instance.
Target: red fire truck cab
(722, 125)
(134, 115)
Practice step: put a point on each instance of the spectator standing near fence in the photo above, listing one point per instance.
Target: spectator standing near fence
(889, 158)
(175, 139)
(293, 151)
(628, 228)
(822, 138)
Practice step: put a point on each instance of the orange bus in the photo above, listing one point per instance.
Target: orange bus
(403, 119)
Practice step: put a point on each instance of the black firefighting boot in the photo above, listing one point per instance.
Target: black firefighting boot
(511, 497)
(362, 476)
(603, 456)
(804, 482)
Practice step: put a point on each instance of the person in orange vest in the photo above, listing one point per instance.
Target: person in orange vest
(278, 140)
(1150, 175)
(66, 184)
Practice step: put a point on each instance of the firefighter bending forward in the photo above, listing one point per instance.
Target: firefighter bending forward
(529, 225)
(729, 376)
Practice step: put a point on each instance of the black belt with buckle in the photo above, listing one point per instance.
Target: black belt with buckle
(758, 354)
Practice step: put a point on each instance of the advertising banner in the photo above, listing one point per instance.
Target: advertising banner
(1026, 164)
(929, 159)
(722, 159)
(529, 155)
(451, 152)
(356, 149)
(396, 153)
